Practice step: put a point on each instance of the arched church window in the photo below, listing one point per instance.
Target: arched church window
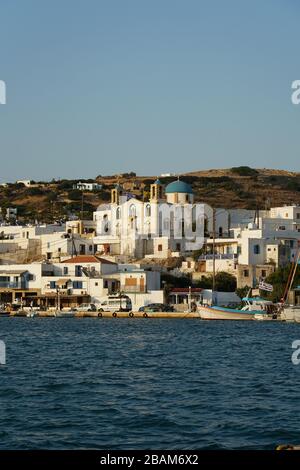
(132, 210)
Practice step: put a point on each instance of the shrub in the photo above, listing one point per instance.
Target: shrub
(75, 195)
(244, 171)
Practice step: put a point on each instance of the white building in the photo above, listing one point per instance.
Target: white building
(157, 228)
(77, 280)
(26, 183)
(87, 186)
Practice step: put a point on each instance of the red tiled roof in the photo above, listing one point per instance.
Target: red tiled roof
(87, 259)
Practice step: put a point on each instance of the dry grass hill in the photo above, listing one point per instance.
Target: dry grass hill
(240, 187)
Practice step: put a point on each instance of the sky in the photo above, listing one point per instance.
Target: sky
(99, 87)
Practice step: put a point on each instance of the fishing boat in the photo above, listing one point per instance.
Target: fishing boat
(291, 314)
(4, 313)
(254, 308)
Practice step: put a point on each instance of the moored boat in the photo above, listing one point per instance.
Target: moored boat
(290, 314)
(4, 313)
(224, 313)
(254, 308)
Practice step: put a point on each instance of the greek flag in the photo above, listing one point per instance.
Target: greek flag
(265, 286)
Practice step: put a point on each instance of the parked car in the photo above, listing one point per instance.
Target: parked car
(115, 304)
(87, 308)
(157, 307)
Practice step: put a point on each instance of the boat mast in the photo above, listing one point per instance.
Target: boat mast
(291, 278)
(214, 255)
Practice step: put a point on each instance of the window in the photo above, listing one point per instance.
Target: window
(118, 213)
(220, 231)
(159, 248)
(30, 277)
(178, 247)
(77, 284)
(66, 270)
(91, 248)
(96, 284)
(166, 224)
(298, 215)
(105, 223)
(78, 272)
(105, 284)
(256, 249)
(281, 227)
(186, 198)
(246, 273)
(263, 273)
(81, 249)
(148, 210)
(132, 210)
(52, 284)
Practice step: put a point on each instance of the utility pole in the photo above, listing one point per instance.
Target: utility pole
(73, 247)
(81, 205)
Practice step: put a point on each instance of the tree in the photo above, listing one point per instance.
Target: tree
(244, 171)
(242, 291)
(279, 279)
(224, 282)
(75, 195)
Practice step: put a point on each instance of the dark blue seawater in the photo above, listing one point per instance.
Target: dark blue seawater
(148, 384)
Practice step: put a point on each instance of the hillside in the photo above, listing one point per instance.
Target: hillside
(240, 187)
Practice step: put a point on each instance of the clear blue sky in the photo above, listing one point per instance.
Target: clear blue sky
(108, 86)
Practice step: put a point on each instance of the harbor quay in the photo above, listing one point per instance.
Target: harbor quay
(166, 256)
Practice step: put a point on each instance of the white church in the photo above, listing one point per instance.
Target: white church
(162, 227)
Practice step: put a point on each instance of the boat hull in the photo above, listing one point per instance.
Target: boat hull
(291, 314)
(210, 313)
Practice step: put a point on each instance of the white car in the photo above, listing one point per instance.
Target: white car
(87, 308)
(115, 304)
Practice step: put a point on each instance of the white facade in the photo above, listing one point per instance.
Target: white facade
(87, 186)
(158, 228)
(26, 183)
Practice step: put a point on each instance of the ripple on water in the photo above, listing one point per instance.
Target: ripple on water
(148, 384)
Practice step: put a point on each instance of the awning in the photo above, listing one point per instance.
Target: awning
(62, 282)
(12, 272)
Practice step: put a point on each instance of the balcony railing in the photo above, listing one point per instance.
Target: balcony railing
(12, 285)
(133, 289)
(218, 256)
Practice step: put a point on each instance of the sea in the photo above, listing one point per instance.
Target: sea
(117, 384)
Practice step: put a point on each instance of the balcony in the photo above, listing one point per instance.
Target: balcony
(12, 285)
(133, 289)
(231, 256)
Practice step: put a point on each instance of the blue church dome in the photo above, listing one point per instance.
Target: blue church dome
(178, 187)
